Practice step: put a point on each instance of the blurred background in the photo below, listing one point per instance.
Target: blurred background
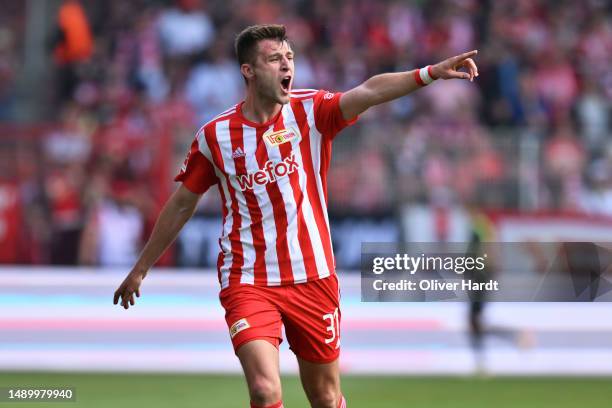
(100, 99)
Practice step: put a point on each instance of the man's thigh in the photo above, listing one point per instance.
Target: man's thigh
(250, 315)
(254, 323)
(260, 363)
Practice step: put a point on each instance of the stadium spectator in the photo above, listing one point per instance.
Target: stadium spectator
(116, 211)
(565, 158)
(11, 213)
(72, 43)
(214, 85)
(185, 29)
(8, 65)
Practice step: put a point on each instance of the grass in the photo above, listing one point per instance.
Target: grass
(219, 391)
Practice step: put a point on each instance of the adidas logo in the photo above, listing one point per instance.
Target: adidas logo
(238, 153)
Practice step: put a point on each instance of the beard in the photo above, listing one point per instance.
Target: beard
(270, 89)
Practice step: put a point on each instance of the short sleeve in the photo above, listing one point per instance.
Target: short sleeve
(197, 173)
(327, 113)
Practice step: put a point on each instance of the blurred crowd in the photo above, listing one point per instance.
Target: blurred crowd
(132, 80)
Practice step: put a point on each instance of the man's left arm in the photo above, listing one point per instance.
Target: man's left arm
(386, 87)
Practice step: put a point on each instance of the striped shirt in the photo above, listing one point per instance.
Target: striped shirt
(272, 178)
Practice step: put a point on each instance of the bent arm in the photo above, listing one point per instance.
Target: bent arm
(176, 212)
(386, 87)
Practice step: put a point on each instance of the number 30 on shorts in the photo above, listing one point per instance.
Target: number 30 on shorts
(333, 328)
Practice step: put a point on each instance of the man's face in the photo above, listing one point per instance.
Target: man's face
(273, 70)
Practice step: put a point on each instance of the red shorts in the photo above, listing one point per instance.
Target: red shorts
(309, 311)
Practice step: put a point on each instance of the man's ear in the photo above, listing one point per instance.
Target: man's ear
(247, 71)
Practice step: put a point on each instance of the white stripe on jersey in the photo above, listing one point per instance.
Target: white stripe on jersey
(225, 116)
(228, 112)
(246, 238)
(315, 150)
(265, 205)
(226, 246)
(284, 185)
(305, 95)
(232, 108)
(224, 241)
(309, 218)
(304, 90)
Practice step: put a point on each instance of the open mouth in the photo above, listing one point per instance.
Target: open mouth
(286, 83)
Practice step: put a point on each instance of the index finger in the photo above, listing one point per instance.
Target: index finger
(116, 297)
(465, 55)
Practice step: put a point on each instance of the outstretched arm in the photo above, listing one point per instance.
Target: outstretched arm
(174, 215)
(386, 87)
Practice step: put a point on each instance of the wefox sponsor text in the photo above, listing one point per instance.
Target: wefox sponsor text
(269, 173)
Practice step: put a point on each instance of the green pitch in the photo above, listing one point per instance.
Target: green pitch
(217, 391)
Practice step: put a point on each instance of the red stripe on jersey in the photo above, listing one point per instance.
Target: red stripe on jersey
(279, 211)
(311, 188)
(220, 260)
(234, 235)
(303, 235)
(326, 151)
(259, 241)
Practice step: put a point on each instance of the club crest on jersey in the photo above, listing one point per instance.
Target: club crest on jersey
(239, 326)
(278, 137)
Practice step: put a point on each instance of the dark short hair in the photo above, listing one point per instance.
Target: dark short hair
(246, 42)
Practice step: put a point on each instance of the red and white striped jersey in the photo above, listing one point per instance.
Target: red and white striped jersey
(272, 178)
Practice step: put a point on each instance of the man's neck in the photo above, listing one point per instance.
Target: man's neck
(259, 110)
